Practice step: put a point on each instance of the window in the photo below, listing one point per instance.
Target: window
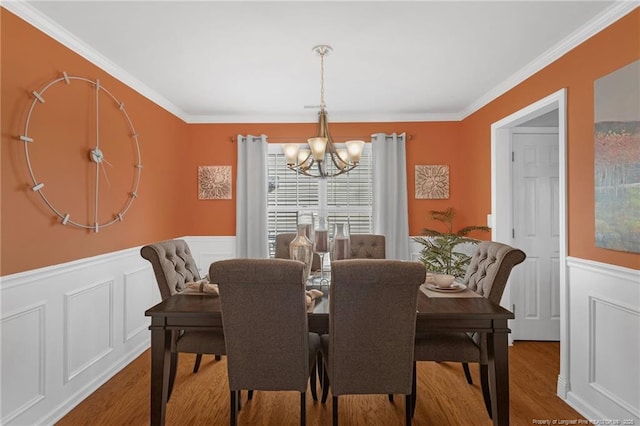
(346, 198)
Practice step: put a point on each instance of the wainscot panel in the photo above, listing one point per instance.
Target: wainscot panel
(68, 328)
(604, 342)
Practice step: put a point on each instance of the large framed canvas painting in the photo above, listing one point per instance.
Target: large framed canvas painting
(617, 159)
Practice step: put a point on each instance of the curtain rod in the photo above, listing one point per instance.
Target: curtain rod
(291, 139)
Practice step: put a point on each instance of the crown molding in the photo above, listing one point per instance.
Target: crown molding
(334, 118)
(589, 29)
(31, 15)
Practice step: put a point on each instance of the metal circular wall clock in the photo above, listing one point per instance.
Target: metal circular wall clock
(82, 152)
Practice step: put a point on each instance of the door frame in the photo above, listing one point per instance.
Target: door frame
(501, 220)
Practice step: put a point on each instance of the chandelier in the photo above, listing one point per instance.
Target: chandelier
(313, 160)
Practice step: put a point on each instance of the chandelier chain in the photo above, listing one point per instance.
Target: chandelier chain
(322, 103)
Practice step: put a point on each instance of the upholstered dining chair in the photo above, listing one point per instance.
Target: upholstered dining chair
(487, 275)
(174, 267)
(282, 249)
(372, 320)
(367, 246)
(264, 318)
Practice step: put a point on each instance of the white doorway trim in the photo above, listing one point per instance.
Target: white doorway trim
(501, 220)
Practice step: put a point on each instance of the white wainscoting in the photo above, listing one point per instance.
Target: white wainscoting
(604, 341)
(206, 250)
(68, 328)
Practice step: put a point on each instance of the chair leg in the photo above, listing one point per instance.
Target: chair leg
(250, 395)
(484, 382)
(218, 358)
(390, 397)
(233, 408)
(467, 373)
(335, 410)
(320, 370)
(408, 409)
(325, 384)
(173, 366)
(303, 409)
(196, 366)
(320, 365)
(313, 383)
(414, 389)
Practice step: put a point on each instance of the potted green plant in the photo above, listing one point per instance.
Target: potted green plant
(439, 253)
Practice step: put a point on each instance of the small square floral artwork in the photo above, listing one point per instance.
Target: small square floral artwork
(214, 182)
(432, 182)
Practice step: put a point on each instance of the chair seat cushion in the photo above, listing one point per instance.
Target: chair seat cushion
(202, 342)
(458, 347)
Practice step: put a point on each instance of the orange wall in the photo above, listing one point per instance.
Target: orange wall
(612, 48)
(172, 150)
(30, 237)
(431, 143)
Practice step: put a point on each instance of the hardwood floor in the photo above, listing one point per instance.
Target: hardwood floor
(444, 397)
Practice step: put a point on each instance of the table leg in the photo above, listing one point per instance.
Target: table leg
(160, 363)
(497, 349)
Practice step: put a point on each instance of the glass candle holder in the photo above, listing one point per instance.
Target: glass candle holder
(321, 243)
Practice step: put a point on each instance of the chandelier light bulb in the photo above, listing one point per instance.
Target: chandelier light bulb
(291, 152)
(318, 146)
(344, 156)
(304, 158)
(354, 148)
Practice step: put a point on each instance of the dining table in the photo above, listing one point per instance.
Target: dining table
(463, 311)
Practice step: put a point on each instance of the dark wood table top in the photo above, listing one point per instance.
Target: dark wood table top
(204, 311)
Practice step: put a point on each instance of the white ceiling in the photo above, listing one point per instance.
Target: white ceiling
(238, 61)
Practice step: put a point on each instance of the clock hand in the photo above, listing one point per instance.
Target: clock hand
(97, 114)
(104, 171)
(96, 159)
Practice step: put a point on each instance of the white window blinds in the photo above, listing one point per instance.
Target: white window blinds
(346, 198)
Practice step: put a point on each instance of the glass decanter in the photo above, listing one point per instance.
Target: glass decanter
(341, 245)
(306, 218)
(301, 249)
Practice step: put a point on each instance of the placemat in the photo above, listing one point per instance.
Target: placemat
(431, 293)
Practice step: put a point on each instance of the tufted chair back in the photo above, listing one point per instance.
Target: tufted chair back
(282, 249)
(490, 267)
(367, 246)
(366, 355)
(172, 264)
(487, 275)
(264, 317)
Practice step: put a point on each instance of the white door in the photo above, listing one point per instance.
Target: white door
(535, 290)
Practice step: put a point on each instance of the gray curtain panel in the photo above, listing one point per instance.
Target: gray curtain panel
(390, 211)
(251, 198)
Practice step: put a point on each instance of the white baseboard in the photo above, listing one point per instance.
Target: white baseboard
(93, 385)
(562, 387)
